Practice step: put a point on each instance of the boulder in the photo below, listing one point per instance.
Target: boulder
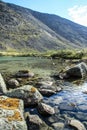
(29, 94)
(79, 71)
(76, 124)
(11, 114)
(24, 73)
(3, 88)
(34, 122)
(45, 109)
(13, 83)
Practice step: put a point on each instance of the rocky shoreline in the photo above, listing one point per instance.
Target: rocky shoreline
(23, 90)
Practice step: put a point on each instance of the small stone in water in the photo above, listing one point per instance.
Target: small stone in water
(77, 124)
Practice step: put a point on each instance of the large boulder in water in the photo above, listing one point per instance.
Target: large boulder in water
(79, 71)
(29, 94)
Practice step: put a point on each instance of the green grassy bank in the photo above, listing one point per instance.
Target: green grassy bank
(65, 54)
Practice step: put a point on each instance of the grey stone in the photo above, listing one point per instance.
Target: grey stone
(34, 122)
(79, 70)
(46, 92)
(46, 85)
(24, 73)
(29, 94)
(77, 124)
(50, 83)
(67, 107)
(13, 83)
(45, 109)
(3, 88)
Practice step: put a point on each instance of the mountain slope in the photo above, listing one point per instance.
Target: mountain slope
(69, 30)
(23, 29)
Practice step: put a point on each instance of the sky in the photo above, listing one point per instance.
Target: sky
(74, 10)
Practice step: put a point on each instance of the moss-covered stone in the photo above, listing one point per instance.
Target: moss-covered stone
(11, 114)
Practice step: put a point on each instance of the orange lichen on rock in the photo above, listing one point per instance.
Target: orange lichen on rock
(33, 89)
(9, 103)
(15, 117)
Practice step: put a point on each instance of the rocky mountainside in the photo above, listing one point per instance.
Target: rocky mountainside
(24, 29)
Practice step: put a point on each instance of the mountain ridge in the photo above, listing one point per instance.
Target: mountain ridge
(24, 29)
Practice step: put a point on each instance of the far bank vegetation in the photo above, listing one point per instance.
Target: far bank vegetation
(65, 54)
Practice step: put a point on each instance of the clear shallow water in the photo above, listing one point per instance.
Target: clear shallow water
(42, 66)
(72, 94)
(71, 102)
(38, 65)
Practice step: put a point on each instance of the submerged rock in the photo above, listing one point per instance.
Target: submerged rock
(11, 114)
(67, 106)
(3, 88)
(29, 94)
(58, 126)
(24, 73)
(76, 124)
(45, 109)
